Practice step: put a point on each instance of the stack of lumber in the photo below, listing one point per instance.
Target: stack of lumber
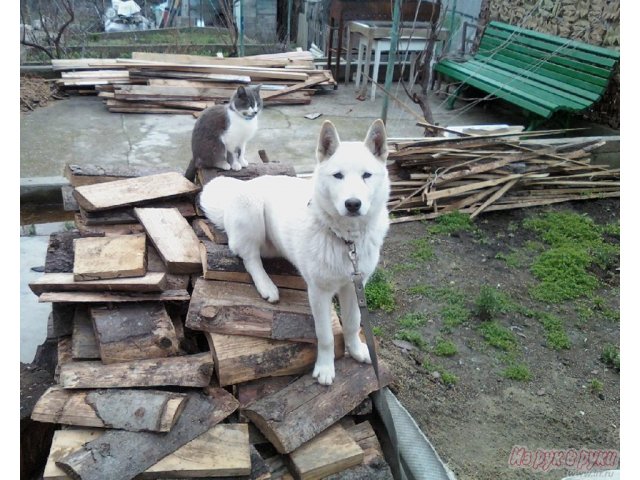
(173, 83)
(476, 174)
(170, 365)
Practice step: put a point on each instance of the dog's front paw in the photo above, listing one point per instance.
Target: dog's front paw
(269, 292)
(324, 373)
(359, 352)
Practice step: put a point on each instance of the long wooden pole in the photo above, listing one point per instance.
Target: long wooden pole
(395, 26)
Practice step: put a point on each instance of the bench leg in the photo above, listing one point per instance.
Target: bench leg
(452, 99)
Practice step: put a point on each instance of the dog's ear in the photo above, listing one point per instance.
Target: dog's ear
(328, 142)
(376, 140)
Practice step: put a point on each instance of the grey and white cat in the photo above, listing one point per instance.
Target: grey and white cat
(221, 133)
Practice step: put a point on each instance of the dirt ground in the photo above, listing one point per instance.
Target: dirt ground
(469, 410)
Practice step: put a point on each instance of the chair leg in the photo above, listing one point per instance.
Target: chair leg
(360, 57)
(452, 99)
(376, 69)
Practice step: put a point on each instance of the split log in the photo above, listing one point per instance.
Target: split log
(185, 371)
(300, 411)
(110, 456)
(131, 410)
(330, 452)
(219, 263)
(173, 237)
(65, 355)
(106, 230)
(64, 282)
(131, 191)
(61, 320)
(99, 258)
(238, 309)
(60, 253)
(105, 297)
(206, 230)
(249, 392)
(240, 358)
(134, 332)
(84, 345)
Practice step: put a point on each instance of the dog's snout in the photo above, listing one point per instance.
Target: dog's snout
(352, 205)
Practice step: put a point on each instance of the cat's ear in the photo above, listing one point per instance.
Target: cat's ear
(328, 142)
(242, 92)
(376, 140)
(257, 87)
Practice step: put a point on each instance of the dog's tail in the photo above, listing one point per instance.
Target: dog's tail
(216, 196)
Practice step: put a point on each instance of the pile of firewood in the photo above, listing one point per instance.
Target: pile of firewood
(170, 365)
(172, 83)
(476, 174)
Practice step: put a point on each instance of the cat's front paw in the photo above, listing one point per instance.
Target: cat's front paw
(244, 162)
(236, 166)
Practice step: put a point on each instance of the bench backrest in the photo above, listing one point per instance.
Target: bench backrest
(574, 63)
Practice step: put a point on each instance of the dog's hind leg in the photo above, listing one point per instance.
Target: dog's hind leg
(320, 302)
(244, 224)
(350, 315)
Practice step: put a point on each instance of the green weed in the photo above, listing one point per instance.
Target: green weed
(412, 336)
(448, 378)
(453, 222)
(379, 292)
(423, 251)
(610, 356)
(498, 336)
(518, 371)
(557, 337)
(490, 303)
(596, 386)
(445, 348)
(412, 320)
(377, 331)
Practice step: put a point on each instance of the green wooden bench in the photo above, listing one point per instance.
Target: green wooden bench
(545, 75)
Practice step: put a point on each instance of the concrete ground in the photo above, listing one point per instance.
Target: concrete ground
(80, 130)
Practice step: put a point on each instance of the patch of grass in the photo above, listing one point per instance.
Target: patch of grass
(423, 251)
(600, 305)
(513, 259)
(377, 331)
(610, 356)
(596, 386)
(453, 222)
(403, 267)
(557, 337)
(577, 243)
(563, 274)
(454, 315)
(518, 371)
(498, 336)
(449, 379)
(445, 348)
(379, 292)
(490, 303)
(612, 229)
(412, 320)
(412, 336)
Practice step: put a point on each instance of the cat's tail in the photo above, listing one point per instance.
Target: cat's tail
(190, 173)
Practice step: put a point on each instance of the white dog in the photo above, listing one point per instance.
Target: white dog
(312, 223)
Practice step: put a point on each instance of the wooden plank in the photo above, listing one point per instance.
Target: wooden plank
(189, 460)
(64, 282)
(205, 229)
(88, 174)
(219, 263)
(65, 355)
(205, 175)
(127, 215)
(240, 358)
(126, 409)
(105, 297)
(330, 452)
(185, 371)
(110, 456)
(130, 191)
(173, 237)
(59, 257)
(309, 83)
(506, 187)
(272, 61)
(134, 332)
(238, 309)
(221, 451)
(99, 258)
(84, 345)
(303, 409)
